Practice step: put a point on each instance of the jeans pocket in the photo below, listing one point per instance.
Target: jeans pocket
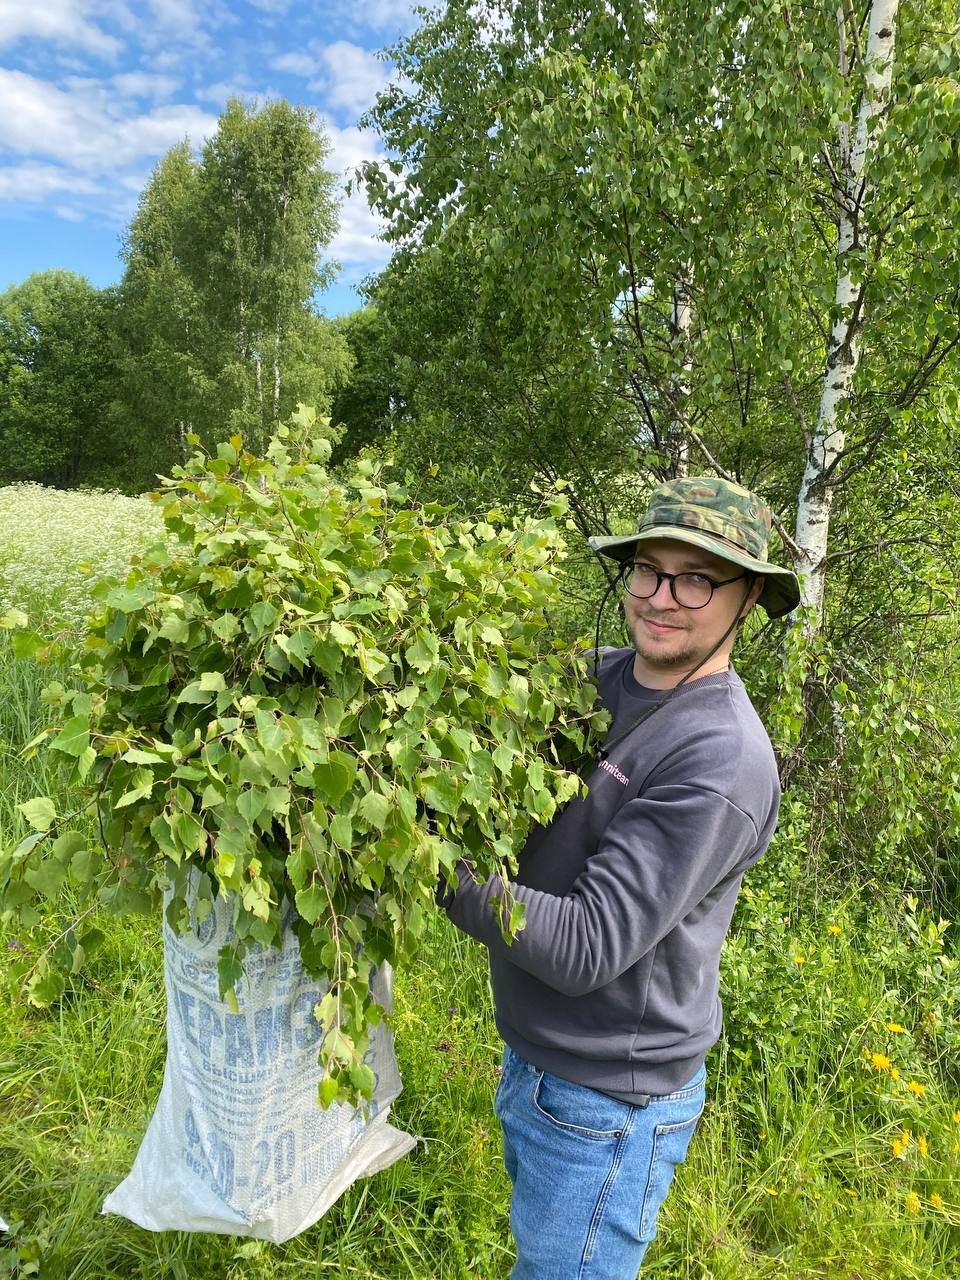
(578, 1110)
(670, 1143)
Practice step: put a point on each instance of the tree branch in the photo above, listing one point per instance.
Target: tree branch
(797, 411)
(785, 537)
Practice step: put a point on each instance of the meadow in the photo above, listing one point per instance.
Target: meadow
(830, 1146)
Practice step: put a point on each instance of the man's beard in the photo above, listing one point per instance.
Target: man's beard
(679, 652)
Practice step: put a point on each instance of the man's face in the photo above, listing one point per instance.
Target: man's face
(669, 639)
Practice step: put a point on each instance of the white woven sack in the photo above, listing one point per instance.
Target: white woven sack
(238, 1142)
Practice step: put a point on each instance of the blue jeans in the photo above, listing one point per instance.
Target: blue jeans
(589, 1173)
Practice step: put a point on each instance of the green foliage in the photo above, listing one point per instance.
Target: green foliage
(364, 405)
(217, 332)
(615, 234)
(55, 374)
(793, 1172)
(312, 692)
(849, 1016)
(212, 330)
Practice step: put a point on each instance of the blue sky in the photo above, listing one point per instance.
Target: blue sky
(94, 92)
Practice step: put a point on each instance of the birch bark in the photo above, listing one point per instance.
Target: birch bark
(276, 376)
(829, 437)
(680, 324)
(258, 379)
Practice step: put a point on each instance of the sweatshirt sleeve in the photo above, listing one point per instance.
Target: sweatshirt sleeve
(661, 855)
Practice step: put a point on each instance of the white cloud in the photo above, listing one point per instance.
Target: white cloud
(377, 14)
(355, 243)
(170, 58)
(178, 14)
(83, 128)
(134, 180)
(115, 94)
(143, 84)
(94, 92)
(348, 147)
(272, 6)
(62, 21)
(387, 13)
(296, 64)
(33, 182)
(353, 77)
(219, 94)
(155, 133)
(127, 16)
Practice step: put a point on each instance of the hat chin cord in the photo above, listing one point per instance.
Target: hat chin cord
(662, 702)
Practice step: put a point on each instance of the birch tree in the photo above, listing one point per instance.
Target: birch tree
(218, 327)
(633, 238)
(265, 209)
(168, 352)
(854, 194)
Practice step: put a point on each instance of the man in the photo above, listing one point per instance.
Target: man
(607, 999)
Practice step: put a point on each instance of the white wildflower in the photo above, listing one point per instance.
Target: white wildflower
(55, 546)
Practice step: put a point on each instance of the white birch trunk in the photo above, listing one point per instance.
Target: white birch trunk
(828, 439)
(258, 377)
(276, 377)
(681, 322)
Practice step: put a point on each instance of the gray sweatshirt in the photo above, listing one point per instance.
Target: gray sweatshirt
(628, 893)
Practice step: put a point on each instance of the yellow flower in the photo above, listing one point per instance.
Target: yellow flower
(898, 1148)
(956, 1117)
(835, 928)
(880, 1061)
(918, 1090)
(937, 1200)
(895, 1027)
(894, 1073)
(905, 1137)
(799, 959)
(922, 1145)
(852, 1192)
(770, 1191)
(912, 1202)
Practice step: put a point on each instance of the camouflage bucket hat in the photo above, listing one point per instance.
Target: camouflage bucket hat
(720, 517)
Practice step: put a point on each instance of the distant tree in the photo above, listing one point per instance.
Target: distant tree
(218, 330)
(56, 374)
(265, 207)
(317, 363)
(168, 354)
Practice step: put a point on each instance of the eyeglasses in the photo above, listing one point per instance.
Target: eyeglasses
(691, 590)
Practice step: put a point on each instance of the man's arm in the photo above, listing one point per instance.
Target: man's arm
(662, 855)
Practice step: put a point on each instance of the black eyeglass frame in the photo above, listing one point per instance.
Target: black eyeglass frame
(629, 567)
